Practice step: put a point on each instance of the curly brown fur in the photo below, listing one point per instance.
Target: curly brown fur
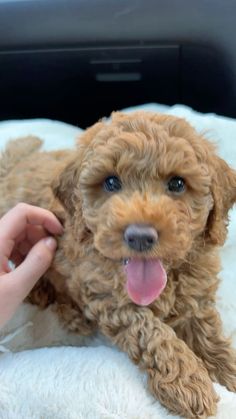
(177, 339)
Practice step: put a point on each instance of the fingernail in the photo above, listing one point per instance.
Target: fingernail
(11, 266)
(51, 243)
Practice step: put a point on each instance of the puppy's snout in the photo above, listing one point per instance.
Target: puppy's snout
(140, 237)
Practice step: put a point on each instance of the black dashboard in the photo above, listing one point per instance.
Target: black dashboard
(78, 60)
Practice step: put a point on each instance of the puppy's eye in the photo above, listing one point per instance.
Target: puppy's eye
(112, 184)
(176, 184)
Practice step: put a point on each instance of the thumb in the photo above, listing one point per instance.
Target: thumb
(34, 266)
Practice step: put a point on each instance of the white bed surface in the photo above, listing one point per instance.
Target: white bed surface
(97, 381)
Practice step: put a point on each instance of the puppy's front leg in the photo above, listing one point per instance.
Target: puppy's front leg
(203, 334)
(176, 376)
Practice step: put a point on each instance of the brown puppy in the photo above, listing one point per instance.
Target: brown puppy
(145, 202)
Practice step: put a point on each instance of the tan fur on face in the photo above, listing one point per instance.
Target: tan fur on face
(177, 339)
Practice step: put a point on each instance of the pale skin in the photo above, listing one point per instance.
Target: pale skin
(26, 239)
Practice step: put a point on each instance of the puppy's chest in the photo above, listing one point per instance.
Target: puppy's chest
(95, 279)
(105, 281)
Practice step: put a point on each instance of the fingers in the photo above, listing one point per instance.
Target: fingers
(32, 235)
(14, 225)
(14, 222)
(22, 239)
(36, 262)
(16, 258)
(16, 285)
(4, 265)
(25, 241)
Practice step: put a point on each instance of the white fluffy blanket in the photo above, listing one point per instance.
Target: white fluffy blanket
(46, 373)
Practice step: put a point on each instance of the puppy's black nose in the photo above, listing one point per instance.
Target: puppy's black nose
(140, 237)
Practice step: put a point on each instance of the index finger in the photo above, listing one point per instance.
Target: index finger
(15, 221)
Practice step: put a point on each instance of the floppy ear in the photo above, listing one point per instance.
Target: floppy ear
(65, 185)
(224, 196)
(89, 134)
(65, 188)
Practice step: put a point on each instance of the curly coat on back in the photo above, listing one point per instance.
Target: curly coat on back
(144, 200)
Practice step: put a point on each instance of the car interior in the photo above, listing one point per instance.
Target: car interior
(65, 64)
(78, 60)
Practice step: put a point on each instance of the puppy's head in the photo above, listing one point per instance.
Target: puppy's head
(149, 189)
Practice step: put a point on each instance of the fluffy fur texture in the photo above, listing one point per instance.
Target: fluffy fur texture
(177, 339)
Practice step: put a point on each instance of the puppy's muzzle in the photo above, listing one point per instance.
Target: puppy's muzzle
(140, 237)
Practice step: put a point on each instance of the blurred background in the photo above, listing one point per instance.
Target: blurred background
(78, 60)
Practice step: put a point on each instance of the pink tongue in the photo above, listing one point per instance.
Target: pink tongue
(146, 279)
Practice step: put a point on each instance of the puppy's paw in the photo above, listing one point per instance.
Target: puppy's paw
(227, 377)
(193, 397)
(225, 370)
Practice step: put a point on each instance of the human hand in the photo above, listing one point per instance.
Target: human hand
(25, 239)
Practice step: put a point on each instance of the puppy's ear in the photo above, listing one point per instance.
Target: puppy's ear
(65, 186)
(223, 190)
(118, 116)
(89, 134)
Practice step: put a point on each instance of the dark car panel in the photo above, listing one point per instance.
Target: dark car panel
(77, 60)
